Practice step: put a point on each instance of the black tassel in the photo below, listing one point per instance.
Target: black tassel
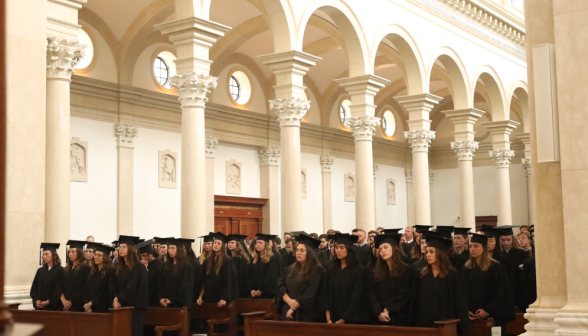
(40, 257)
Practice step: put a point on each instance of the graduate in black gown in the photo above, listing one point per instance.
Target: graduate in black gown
(457, 260)
(194, 262)
(264, 269)
(276, 252)
(488, 287)
(241, 261)
(324, 252)
(206, 247)
(176, 285)
(44, 288)
(97, 295)
(393, 285)
(218, 279)
(289, 257)
(130, 283)
(405, 250)
(510, 247)
(420, 263)
(298, 296)
(154, 268)
(417, 255)
(73, 280)
(442, 292)
(346, 289)
(362, 248)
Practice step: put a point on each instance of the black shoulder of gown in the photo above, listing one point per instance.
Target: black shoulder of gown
(306, 293)
(45, 288)
(131, 287)
(398, 295)
(347, 294)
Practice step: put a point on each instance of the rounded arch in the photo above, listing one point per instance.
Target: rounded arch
(495, 90)
(521, 90)
(350, 28)
(409, 52)
(456, 71)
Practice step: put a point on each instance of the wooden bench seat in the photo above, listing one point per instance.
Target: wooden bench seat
(215, 316)
(245, 306)
(480, 328)
(168, 319)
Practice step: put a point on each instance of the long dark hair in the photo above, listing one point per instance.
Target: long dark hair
(81, 259)
(443, 263)
(106, 264)
(416, 252)
(216, 259)
(192, 259)
(131, 258)
(180, 260)
(382, 271)
(55, 259)
(350, 261)
(301, 271)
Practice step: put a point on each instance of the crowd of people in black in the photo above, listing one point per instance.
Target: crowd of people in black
(380, 277)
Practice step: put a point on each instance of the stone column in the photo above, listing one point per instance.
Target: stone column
(193, 37)
(269, 164)
(431, 185)
(376, 168)
(465, 146)
(327, 162)
(62, 56)
(419, 137)
(501, 154)
(125, 137)
(526, 161)
(362, 122)
(211, 146)
(409, 196)
(290, 106)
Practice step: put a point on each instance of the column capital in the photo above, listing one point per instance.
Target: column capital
(418, 107)
(363, 127)
(502, 157)
(211, 146)
(464, 121)
(527, 165)
(363, 90)
(269, 156)
(408, 175)
(62, 56)
(290, 110)
(419, 140)
(126, 134)
(500, 131)
(465, 149)
(327, 161)
(193, 88)
(289, 68)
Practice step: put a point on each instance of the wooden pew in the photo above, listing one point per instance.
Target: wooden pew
(517, 326)
(244, 306)
(168, 319)
(480, 328)
(59, 323)
(214, 316)
(255, 325)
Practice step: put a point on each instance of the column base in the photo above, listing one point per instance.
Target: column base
(541, 322)
(572, 322)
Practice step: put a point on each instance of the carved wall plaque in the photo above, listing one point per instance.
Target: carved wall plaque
(303, 179)
(349, 185)
(78, 153)
(233, 177)
(168, 169)
(391, 191)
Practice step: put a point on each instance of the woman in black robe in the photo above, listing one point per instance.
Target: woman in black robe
(72, 285)
(97, 295)
(393, 285)
(44, 288)
(442, 293)
(241, 260)
(194, 263)
(130, 283)
(460, 242)
(346, 285)
(510, 247)
(277, 253)
(298, 296)
(488, 287)
(420, 263)
(264, 270)
(176, 285)
(154, 267)
(218, 279)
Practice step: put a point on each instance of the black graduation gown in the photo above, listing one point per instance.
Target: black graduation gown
(307, 293)
(347, 294)
(398, 295)
(443, 298)
(44, 287)
(73, 285)
(280, 261)
(517, 257)
(155, 272)
(363, 254)
(196, 270)
(420, 264)
(242, 275)
(466, 254)
(97, 291)
(264, 277)
(176, 286)
(457, 261)
(527, 285)
(289, 259)
(221, 286)
(407, 247)
(131, 287)
(323, 255)
(490, 291)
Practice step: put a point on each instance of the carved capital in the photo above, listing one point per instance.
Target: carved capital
(502, 157)
(62, 56)
(327, 161)
(363, 127)
(125, 135)
(408, 175)
(269, 156)
(465, 149)
(527, 165)
(419, 140)
(193, 88)
(211, 146)
(289, 110)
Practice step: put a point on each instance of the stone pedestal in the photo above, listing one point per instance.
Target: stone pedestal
(211, 146)
(269, 164)
(327, 162)
(125, 136)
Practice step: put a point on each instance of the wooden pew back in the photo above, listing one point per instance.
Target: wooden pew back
(480, 328)
(168, 319)
(226, 315)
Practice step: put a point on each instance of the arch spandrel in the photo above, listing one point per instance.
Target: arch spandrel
(457, 74)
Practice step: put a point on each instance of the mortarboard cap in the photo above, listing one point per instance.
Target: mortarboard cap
(422, 228)
(76, 243)
(308, 241)
(50, 246)
(209, 238)
(480, 239)
(185, 242)
(222, 237)
(505, 230)
(267, 237)
(442, 234)
(128, 240)
(237, 237)
(162, 241)
(345, 239)
(391, 231)
(491, 231)
(391, 238)
(115, 243)
(439, 242)
(298, 233)
(100, 248)
(461, 231)
(145, 246)
(445, 228)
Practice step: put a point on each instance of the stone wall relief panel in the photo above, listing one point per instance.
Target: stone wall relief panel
(391, 191)
(78, 153)
(233, 177)
(168, 169)
(349, 185)
(303, 180)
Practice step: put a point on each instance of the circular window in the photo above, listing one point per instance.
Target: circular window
(388, 123)
(161, 71)
(344, 111)
(240, 87)
(84, 39)
(235, 88)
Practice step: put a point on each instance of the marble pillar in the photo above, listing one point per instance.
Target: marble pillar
(269, 164)
(419, 137)
(409, 196)
(362, 122)
(327, 162)
(501, 155)
(62, 56)
(125, 137)
(211, 146)
(464, 147)
(526, 161)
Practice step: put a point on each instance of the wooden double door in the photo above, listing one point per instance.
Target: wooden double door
(238, 215)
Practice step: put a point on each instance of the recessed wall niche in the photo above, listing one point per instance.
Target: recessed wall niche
(78, 154)
(391, 191)
(168, 169)
(349, 184)
(233, 177)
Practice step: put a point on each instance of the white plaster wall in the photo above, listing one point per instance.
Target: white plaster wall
(220, 95)
(143, 73)
(93, 203)
(343, 212)
(387, 215)
(103, 66)
(250, 174)
(312, 206)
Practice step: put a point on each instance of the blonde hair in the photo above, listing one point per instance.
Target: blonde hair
(515, 243)
(362, 230)
(485, 261)
(204, 255)
(267, 254)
